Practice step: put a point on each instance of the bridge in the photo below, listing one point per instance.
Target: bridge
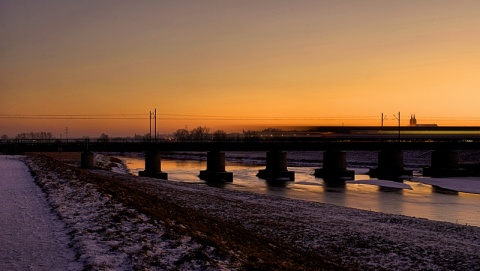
(445, 160)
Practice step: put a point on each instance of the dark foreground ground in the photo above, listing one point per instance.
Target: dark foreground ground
(122, 222)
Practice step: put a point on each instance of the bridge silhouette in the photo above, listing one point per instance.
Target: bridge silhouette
(445, 161)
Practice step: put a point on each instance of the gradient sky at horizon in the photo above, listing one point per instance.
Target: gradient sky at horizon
(252, 62)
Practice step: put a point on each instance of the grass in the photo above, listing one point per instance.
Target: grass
(254, 251)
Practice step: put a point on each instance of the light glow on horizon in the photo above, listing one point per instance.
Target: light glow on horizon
(268, 62)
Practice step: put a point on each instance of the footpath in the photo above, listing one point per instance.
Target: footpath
(31, 237)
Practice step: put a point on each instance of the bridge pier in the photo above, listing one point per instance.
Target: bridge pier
(276, 167)
(152, 166)
(86, 160)
(390, 165)
(334, 167)
(216, 168)
(444, 163)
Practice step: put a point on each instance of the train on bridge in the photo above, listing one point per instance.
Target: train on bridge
(299, 134)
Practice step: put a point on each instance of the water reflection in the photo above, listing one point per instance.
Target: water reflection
(336, 186)
(217, 184)
(390, 200)
(438, 189)
(421, 201)
(390, 189)
(272, 184)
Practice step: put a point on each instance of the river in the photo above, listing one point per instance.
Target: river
(422, 200)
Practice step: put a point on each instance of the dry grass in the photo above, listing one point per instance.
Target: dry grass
(254, 251)
(65, 157)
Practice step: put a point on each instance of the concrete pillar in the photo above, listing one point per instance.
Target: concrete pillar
(86, 160)
(335, 160)
(216, 168)
(447, 159)
(152, 161)
(215, 161)
(335, 167)
(153, 166)
(390, 160)
(276, 167)
(444, 163)
(276, 161)
(390, 165)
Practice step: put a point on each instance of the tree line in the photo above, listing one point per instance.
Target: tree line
(198, 134)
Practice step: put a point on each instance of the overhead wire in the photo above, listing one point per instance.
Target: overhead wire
(171, 116)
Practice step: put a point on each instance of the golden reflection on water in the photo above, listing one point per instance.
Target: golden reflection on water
(422, 200)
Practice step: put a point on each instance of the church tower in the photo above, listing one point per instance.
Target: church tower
(413, 120)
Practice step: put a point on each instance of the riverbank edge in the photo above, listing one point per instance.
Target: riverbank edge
(260, 251)
(244, 249)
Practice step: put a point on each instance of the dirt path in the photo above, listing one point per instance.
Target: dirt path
(31, 237)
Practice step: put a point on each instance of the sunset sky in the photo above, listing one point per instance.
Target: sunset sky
(101, 66)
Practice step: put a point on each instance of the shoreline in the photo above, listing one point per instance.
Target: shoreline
(340, 237)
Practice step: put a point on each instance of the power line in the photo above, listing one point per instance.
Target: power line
(167, 116)
(87, 117)
(173, 117)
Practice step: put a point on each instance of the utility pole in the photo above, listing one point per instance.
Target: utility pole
(150, 122)
(383, 118)
(155, 125)
(398, 124)
(398, 118)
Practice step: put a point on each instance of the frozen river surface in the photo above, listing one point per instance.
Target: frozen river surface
(31, 237)
(419, 197)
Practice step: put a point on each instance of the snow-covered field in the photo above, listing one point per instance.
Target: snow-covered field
(106, 234)
(361, 240)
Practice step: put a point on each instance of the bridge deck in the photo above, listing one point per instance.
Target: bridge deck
(290, 145)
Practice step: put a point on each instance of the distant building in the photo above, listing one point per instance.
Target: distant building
(413, 122)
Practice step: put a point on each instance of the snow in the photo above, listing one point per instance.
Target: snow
(107, 235)
(375, 182)
(363, 239)
(109, 163)
(459, 184)
(31, 237)
(382, 183)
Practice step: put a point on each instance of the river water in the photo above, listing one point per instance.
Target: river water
(422, 200)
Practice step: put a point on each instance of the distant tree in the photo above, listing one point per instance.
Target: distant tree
(199, 133)
(46, 135)
(145, 137)
(272, 130)
(104, 138)
(4, 137)
(181, 135)
(220, 135)
(250, 135)
(35, 135)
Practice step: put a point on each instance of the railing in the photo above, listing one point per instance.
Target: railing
(247, 144)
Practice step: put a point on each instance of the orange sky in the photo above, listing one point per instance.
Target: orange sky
(228, 64)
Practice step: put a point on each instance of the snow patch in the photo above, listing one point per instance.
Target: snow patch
(459, 184)
(382, 183)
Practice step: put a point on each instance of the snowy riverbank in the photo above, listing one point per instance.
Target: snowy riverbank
(121, 222)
